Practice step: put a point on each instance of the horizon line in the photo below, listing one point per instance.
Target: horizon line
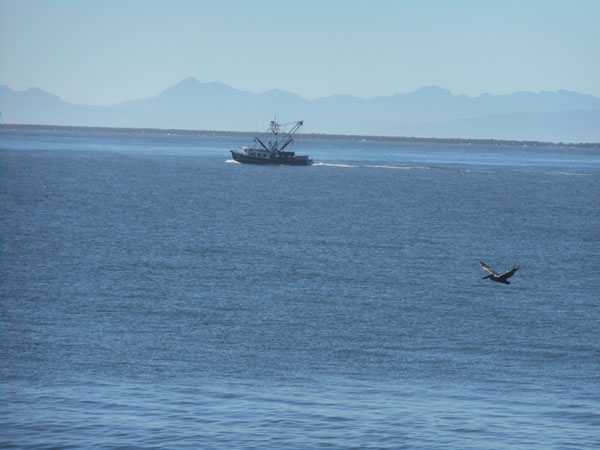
(412, 139)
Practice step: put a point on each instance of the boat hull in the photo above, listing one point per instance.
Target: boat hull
(274, 160)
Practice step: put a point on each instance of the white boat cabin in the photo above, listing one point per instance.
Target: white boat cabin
(257, 152)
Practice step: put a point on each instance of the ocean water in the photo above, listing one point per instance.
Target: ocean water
(156, 294)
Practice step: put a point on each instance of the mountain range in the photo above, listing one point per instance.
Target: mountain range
(430, 112)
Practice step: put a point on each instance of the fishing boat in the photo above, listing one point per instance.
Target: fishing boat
(273, 151)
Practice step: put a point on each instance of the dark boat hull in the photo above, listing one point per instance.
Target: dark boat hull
(287, 159)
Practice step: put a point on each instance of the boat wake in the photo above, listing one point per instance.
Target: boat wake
(462, 171)
(334, 165)
(573, 174)
(373, 166)
(385, 166)
(231, 161)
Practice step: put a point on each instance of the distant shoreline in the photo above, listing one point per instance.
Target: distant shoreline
(462, 141)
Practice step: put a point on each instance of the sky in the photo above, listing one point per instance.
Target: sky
(108, 51)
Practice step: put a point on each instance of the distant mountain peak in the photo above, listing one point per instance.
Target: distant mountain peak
(188, 82)
(190, 87)
(277, 91)
(433, 90)
(37, 93)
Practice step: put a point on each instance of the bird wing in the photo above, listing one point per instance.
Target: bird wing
(487, 268)
(509, 273)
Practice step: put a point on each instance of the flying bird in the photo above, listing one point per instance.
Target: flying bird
(495, 277)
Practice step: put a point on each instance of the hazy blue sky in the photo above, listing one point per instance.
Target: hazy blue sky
(107, 51)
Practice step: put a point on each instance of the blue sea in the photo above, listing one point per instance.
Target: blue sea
(156, 294)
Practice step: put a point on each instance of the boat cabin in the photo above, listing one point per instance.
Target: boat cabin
(257, 153)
